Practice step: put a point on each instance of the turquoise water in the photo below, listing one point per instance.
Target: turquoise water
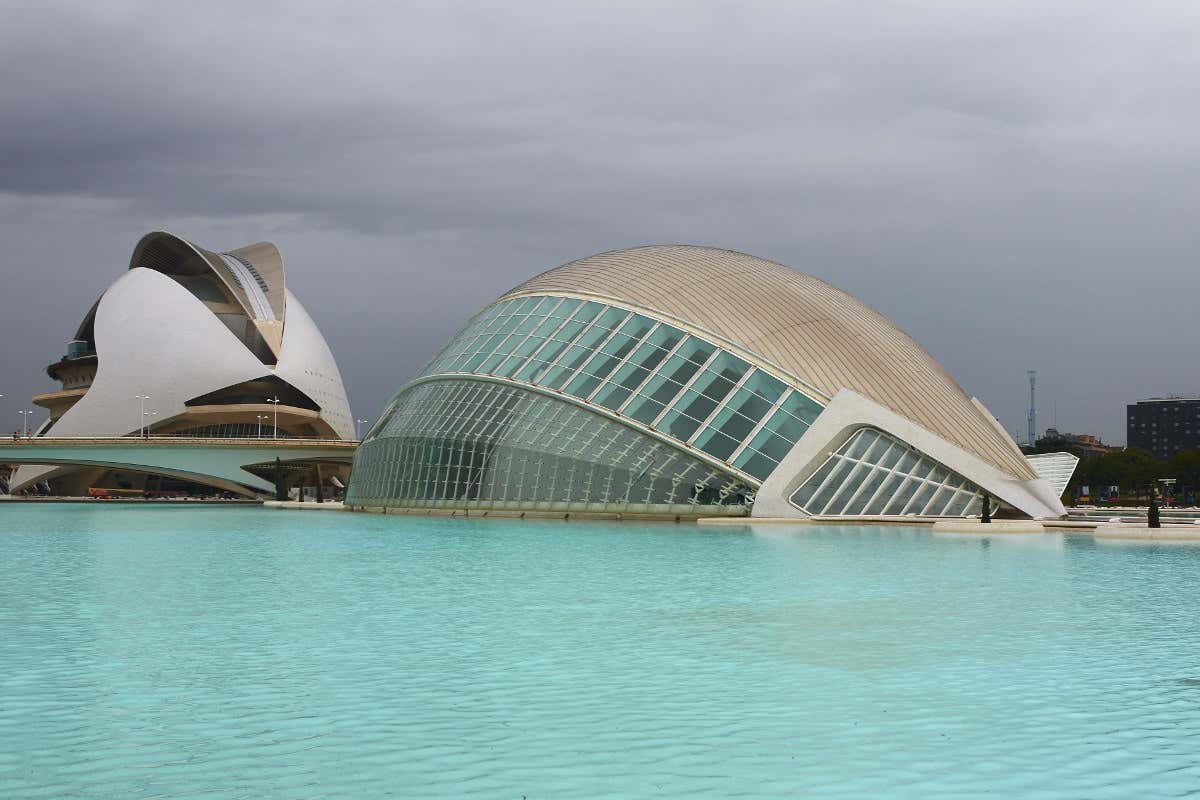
(250, 653)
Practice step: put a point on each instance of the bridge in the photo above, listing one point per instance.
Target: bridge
(213, 462)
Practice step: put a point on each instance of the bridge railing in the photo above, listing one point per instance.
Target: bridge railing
(166, 438)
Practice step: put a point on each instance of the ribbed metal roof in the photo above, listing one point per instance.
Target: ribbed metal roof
(793, 321)
(172, 255)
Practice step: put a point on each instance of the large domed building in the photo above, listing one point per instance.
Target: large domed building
(216, 343)
(678, 380)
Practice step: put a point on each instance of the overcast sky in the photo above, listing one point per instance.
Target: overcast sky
(1016, 187)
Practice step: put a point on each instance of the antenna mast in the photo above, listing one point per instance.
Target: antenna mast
(1032, 406)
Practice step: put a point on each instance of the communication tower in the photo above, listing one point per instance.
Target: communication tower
(1032, 406)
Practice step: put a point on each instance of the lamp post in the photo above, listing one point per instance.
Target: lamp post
(142, 417)
(357, 435)
(260, 419)
(275, 426)
(145, 424)
(25, 423)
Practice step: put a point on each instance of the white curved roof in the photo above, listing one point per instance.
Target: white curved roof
(805, 328)
(253, 275)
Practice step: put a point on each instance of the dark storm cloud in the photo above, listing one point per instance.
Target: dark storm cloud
(1012, 185)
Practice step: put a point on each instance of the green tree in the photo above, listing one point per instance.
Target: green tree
(1131, 469)
(1184, 467)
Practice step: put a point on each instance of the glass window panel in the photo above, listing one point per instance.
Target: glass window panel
(696, 350)
(785, 425)
(765, 386)
(588, 311)
(922, 468)
(664, 337)
(901, 498)
(939, 501)
(678, 425)
(859, 443)
(832, 484)
(849, 485)
(644, 410)
(583, 384)
(729, 367)
(696, 406)
(542, 360)
(858, 504)
(922, 497)
(608, 357)
(881, 446)
(892, 456)
(749, 404)
(501, 351)
(938, 474)
(611, 319)
(611, 396)
(716, 443)
(801, 407)
(566, 308)
(670, 379)
(907, 462)
(662, 387)
(770, 445)
(884, 493)
(636, 327)
(544, 329)
(522, 305)
(647, 356)
(733, 424)
(755, 464)
(574, 357)
(632, 373)
(803, 495)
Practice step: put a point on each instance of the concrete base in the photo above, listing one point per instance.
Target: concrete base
(141, 501)
(1167, 533)
(312, 505)
(595, 516)
(755, 521)
(993, 528)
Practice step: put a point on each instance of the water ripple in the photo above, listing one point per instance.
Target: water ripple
(222, 653)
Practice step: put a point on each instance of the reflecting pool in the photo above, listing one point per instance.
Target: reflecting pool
(244, 653)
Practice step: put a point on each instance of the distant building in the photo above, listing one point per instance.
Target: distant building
(1083, 445)
(1164, 425)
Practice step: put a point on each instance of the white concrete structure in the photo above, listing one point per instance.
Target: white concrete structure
(673, 380)
(1056, 468)
(847, 414)
(241, 466)
(211, 340)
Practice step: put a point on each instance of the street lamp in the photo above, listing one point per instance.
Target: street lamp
(275, 425)
(357, 435)
(25, 424)
(260, 418)
(142, 417)
(145, 424)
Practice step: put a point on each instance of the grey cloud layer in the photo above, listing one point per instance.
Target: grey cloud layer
(1012, 185)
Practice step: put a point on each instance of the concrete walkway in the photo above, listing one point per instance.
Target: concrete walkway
(308, 505)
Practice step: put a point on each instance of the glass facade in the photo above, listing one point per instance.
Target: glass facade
(874, 474)
(638, 368)
(461, 443)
